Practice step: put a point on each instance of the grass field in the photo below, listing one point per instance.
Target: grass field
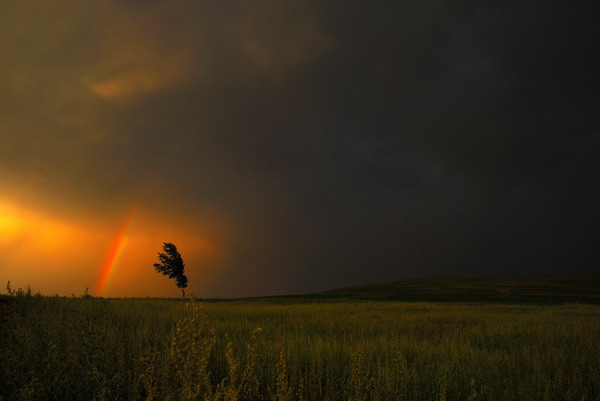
(57, 348)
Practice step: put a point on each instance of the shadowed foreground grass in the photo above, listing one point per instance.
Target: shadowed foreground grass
(93, 349)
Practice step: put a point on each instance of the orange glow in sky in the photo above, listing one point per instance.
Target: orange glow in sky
(43, 251)
(19, 226)
(114, 253)
(59, 256)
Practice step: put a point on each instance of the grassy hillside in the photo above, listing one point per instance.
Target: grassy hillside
(545, 290)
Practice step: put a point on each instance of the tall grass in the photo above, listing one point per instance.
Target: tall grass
(93, 349)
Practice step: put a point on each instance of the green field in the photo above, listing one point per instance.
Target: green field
(56, 348)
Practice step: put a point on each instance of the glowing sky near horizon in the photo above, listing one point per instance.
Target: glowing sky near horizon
(114, 253)
(55, 256)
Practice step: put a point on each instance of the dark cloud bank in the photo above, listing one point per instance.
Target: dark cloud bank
(352, 142)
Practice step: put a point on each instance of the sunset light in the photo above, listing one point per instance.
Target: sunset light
(20, 227)
(115, 251)
(67, 254)
(9, 223)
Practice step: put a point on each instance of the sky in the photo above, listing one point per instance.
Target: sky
(294, 146)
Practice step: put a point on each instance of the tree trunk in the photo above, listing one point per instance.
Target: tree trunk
(183, 293)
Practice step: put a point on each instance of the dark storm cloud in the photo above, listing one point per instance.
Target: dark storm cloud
(346, 142)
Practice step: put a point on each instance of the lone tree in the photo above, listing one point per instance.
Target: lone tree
(171, 264)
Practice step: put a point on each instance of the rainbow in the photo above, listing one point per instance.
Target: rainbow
(114, 252)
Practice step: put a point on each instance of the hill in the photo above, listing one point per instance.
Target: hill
(545, 290)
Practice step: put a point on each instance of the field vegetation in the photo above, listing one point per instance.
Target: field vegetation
(56, 348)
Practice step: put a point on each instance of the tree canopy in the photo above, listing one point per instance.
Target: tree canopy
(171, 264)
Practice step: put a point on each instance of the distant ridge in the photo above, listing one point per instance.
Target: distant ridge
(546, 290)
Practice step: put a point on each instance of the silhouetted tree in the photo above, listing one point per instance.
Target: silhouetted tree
(171, 264)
